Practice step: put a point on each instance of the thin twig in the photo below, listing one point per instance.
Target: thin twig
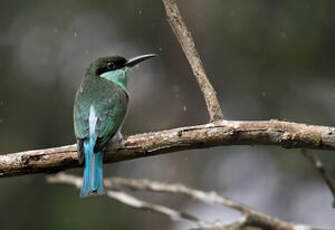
(317, 163)
(131, 201)
(221, 133)
(250, 217)
(186, 41)
(253, 218)
(148, 185)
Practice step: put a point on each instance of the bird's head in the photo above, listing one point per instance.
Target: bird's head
(104, 65)
(114, 68)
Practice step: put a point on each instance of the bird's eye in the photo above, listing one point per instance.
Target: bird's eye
(110, 65)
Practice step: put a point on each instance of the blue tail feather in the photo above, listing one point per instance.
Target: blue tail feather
(93, 178)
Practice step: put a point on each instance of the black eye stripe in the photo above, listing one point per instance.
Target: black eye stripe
(110, 64)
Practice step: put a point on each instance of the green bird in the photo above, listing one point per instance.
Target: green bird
(100, 108)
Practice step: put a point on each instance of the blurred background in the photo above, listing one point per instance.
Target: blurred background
(266, 59)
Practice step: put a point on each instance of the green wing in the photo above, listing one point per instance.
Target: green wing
(80, 120)
(111, 113)
(110, 103)
(80, 116)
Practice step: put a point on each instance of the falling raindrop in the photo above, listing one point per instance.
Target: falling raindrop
(185, 108)
(75, 35)
(283, 35)
(176, 90)
(140, 12)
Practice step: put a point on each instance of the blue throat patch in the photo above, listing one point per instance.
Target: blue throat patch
(118, 77)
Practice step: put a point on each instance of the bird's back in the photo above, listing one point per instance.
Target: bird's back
(109, 102)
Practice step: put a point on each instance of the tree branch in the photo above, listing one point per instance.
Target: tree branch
(186, 41)
(318, 165)
(129, 200)
(272, 132)
(250, 217)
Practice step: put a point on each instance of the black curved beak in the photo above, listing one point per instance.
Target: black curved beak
(135, 60)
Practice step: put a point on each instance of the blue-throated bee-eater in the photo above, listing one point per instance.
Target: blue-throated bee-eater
(100, 108)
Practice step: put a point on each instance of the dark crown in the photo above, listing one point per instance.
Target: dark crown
(106, 64)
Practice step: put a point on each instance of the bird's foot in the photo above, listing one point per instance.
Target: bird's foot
(118, 141)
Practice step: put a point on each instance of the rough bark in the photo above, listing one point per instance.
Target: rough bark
(272, 132)
(185, 39)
